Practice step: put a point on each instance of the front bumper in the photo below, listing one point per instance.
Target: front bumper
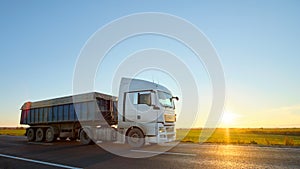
(165, 134)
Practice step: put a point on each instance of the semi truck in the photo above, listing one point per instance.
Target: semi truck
(144, 112)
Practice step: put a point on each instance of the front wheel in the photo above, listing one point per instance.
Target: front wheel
(84, 137)
(136, 138)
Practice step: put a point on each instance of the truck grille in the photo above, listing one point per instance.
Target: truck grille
(170, 129)
(171, 137)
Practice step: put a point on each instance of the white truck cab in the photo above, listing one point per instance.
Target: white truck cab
(146, 112)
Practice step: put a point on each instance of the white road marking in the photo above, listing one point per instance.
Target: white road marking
(37, 161)
(159, 152)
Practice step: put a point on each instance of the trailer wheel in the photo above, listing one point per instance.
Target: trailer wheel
(30, 134)
(84, 137)
(39, 134)
(136, 138)
(50, 135)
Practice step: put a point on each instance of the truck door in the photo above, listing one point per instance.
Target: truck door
(146, 111)
(140, 107)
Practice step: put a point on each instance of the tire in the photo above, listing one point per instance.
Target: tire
(50, 137)
(84, 137)
(135, 138)
(30, 134)
(39, 135)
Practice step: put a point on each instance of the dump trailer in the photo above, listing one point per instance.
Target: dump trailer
(62, 117)
(143, 112)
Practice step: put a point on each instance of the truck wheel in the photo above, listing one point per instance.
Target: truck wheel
(30, 134)
(50, 135)
(84, 137)
(39, 134)
(136, 138)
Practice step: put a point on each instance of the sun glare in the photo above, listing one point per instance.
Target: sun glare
(228, 118)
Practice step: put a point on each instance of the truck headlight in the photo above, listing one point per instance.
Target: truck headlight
(162, 130)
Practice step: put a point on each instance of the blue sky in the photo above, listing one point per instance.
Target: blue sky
(257, 42)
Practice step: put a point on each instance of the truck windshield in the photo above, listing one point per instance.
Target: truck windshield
(165, 99)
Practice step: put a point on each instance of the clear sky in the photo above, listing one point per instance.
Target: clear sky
(257, 42)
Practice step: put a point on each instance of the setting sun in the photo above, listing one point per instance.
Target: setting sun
(228, 118)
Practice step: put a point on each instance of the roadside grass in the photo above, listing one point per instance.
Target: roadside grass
(259, 136)
(12, 131)
(254, 136)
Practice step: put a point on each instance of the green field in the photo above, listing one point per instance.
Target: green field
(259, 136)
(256, 136)
(12, 131)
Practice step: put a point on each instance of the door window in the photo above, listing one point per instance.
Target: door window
(144, 98)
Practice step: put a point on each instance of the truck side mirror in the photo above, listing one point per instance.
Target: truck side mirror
(175, 98)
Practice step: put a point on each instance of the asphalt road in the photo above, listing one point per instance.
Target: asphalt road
(16, 152)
